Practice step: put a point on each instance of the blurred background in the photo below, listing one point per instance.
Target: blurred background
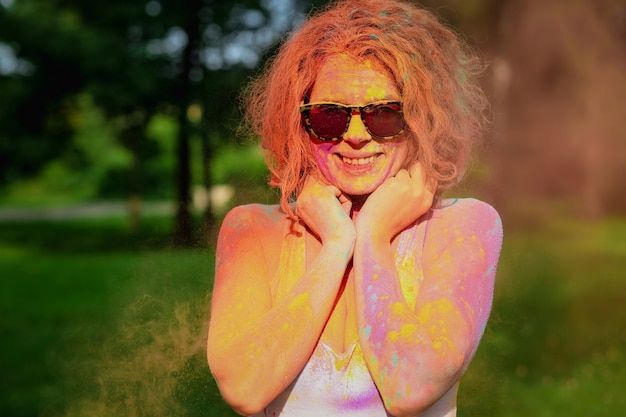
(119, 157)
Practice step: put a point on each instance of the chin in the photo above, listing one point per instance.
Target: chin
(359, 191)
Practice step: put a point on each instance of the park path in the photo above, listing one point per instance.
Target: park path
(219, 196)
(83, 211)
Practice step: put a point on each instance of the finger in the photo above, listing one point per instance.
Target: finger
(402, 174)
(310, 181)
(346, 204)
(314, 180)
(416, 170)
(418, 175)
(334, 191)
(343, 198)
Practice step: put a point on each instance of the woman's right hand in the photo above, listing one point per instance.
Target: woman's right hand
(325, 210)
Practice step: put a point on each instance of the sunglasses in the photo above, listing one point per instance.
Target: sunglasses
(330, 121)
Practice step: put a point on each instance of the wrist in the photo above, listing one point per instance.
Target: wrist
(340, 243)
(373, 231)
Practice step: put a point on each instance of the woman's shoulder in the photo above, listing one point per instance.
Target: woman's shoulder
(465, 206)
(258, 211)
(263, 218)
(255, 213)
(465, 214)
(463, 223)
(259, 227)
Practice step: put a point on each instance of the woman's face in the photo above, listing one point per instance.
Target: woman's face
(356, 164)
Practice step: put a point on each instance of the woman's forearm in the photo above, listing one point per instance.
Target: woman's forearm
(256, 360)
(414, 357)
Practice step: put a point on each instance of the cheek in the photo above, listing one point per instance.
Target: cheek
(322, 153)
(400, 156)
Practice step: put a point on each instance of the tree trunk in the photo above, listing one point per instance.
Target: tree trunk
(207, 156)
(183, 234)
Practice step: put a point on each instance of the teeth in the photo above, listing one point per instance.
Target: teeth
(358, 161)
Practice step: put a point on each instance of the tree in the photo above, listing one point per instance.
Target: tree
(136, 60)
(561, 134)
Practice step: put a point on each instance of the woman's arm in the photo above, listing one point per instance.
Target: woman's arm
(416, 355)
(256, 349)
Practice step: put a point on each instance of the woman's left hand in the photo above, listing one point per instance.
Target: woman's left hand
(397, 203)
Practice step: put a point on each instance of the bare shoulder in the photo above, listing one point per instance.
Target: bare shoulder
(255, 218)
(463, 210)
(253, 228)
(454, 219)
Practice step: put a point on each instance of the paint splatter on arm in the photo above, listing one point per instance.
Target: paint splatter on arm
(417, 354)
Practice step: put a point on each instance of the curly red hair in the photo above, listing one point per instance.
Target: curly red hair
(434, 71)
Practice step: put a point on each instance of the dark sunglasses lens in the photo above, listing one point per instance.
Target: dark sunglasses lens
(384, 120)
(328, 121)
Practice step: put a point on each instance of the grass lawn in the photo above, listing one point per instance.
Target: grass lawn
(99, 320)
(555, 343)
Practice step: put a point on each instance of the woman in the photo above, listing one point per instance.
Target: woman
(363, 293)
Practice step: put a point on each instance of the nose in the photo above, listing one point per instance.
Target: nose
(356, 132)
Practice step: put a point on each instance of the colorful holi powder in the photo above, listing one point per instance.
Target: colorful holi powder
(398, 309)
(301, 303)
(407, 332)
(153, 363)
(462, 75)
(366, 332)
(404, 341)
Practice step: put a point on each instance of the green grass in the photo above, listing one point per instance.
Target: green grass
(100, 320)
(555, 342)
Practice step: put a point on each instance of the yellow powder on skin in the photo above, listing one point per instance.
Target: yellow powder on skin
(301, 303)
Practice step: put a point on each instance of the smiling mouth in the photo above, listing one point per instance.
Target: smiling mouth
(358, 161)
